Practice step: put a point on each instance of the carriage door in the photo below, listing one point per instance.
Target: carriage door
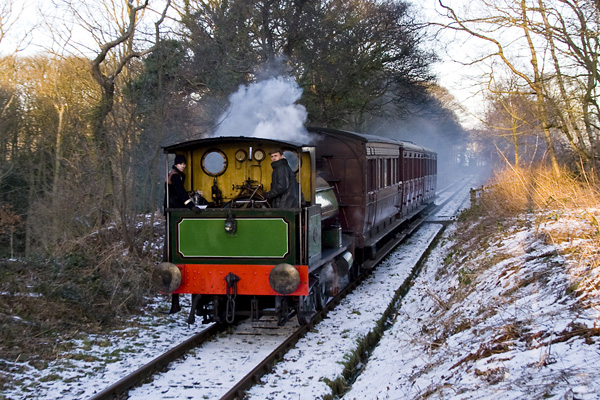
(400, 180)
(371, 190)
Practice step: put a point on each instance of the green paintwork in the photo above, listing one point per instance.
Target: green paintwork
(262, 236)
(254, 238)
(314, 231)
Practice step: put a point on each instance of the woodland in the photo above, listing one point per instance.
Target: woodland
(84, 119)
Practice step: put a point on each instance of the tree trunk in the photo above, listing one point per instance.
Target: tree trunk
(570, 129)
(538, 87)
(58, 154)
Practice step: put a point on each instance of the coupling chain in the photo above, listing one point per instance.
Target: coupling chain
(232, 281)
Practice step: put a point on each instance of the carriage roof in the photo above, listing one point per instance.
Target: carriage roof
(370, 139)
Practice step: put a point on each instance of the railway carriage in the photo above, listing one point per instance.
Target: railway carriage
(239, 257)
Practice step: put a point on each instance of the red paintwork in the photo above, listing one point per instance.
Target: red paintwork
(254, 279)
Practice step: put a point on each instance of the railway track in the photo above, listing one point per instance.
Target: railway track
(121, 387)
(280, 340)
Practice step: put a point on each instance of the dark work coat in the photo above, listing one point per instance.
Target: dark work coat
(178, 196)
(284, 187)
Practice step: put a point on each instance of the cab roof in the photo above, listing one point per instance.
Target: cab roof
(192, 144)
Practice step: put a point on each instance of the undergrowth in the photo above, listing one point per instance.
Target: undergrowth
(513, 191)
(92, 288)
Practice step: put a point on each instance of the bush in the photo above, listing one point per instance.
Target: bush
(91, 288)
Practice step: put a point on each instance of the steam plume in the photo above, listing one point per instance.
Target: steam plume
(266, 109)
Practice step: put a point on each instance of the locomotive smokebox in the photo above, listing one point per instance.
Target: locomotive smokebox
(166, 277)
(325, 196)
(284, 278)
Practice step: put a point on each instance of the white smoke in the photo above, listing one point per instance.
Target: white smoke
(266, 109)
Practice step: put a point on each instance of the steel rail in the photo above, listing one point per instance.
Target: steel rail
(125, 384)
(446, 221)
(237, 392)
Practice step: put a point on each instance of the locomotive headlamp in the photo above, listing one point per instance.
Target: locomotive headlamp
(166, 277)
(230, 223)
(284, 278)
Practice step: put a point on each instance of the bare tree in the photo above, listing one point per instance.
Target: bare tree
(512, 123)
(571, 28)
(501, 27)
(113, 28)
(48, 137)
(9, 22)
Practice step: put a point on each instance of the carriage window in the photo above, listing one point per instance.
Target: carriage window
(379, 174)
(372, 181)
(388, 172)
(214, 162)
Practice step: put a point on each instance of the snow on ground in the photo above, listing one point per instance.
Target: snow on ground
(503, 324)
(210, 370)
(97, 361)
(101, 361)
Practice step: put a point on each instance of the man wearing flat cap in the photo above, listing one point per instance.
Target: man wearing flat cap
(178, 196)
(284, 187)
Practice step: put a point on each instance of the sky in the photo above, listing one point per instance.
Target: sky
(453, 49)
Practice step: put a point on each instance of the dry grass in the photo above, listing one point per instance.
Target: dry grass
(486, 274)
(567, 211)
(537, 189)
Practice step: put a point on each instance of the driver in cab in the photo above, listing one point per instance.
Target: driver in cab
(284, 187)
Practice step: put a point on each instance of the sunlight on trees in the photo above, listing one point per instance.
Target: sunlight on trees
(548, 49)
(511, 122)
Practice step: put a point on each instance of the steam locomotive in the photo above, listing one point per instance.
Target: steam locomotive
(240, 258)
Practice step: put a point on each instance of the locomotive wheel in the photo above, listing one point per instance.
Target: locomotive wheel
(321, 297)
(307, 306)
